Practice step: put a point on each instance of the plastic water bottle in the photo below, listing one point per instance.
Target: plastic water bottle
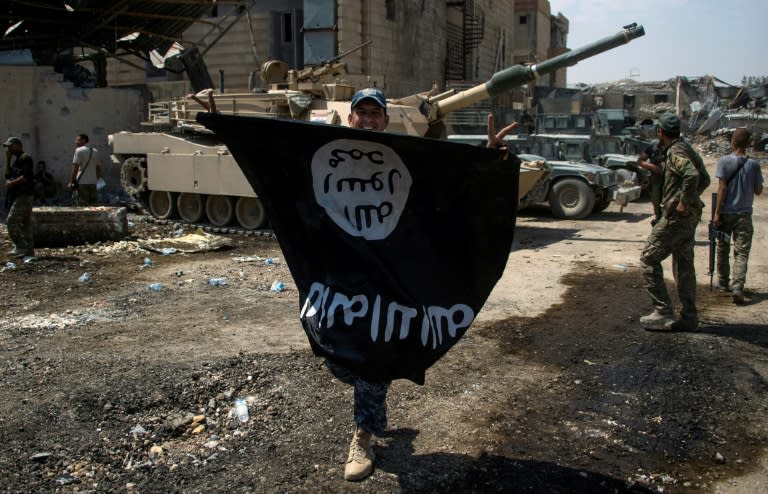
(241, 410)
(278, 286)
(217, 281)
(147, 262)
(10, 265)
(155, 287)
(272, 260)
(84, 277)
(167, 251)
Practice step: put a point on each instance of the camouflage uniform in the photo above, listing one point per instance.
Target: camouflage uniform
(685, 178)
(21, 197)
(655, 180)
(741, 230)
(370, 399)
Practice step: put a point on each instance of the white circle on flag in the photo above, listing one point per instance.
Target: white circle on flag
(362, 185)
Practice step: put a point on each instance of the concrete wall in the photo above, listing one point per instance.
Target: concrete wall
(498, 37)
(47, 113)
(234, 53)
(409, 48)
(407, 54)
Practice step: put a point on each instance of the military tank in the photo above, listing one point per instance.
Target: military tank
(179, 169)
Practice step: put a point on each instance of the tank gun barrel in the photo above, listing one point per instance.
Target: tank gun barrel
(349, 52)
(518, 75)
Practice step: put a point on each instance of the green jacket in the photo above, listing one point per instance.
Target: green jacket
(685, 177)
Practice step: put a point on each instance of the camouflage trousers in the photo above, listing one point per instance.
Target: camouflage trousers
(739, 227)
(370, 399)
(676, 236)
(19, 224)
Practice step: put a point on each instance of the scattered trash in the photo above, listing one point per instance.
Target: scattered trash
(66, 479)
(199, 241)
(719, 457)
(167, 251)
(10, 265)
(278, 286)
(138, 430)
(272, 260)
(217, 281)
(100, 184)
(147, 262)
(41, 457)
(155, 287)
(84, 277)
(247, 259)
(241, 410)
(621, 267)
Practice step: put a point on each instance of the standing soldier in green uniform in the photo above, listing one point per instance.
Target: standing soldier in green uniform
(685, 178)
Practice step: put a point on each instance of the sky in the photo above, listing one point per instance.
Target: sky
(722, 38)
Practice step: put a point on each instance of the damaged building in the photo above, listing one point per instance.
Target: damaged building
(705, 104)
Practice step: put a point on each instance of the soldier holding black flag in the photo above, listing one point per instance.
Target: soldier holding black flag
(369, 112)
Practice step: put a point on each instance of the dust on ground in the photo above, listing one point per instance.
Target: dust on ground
(107, 386)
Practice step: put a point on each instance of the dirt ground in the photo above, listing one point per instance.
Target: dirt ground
(107, 386)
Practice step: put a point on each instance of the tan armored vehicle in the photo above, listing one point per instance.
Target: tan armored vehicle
(179, 168)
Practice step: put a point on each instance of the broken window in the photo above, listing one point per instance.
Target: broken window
(629, 101)
(389, 5)
(523, 19)
(287, 27)
(660, 98)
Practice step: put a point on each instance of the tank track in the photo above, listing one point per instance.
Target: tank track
(208, 228)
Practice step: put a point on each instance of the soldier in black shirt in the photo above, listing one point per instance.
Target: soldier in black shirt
(20, 190)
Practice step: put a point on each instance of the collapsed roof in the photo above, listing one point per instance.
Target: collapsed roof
(48, 27)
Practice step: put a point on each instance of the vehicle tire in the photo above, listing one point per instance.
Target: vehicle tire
(602, 203)
(220, 210)
(162, 204)
(191, 207)
(133, 177)
(571, 199)
(250, 212)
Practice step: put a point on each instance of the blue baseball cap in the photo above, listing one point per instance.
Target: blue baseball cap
(370, 93)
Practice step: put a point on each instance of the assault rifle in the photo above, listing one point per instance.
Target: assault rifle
(714, 235)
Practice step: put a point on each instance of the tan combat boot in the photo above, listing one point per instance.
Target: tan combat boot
(360, 461)
(658, 320)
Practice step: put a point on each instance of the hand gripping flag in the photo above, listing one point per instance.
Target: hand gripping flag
(394, 242)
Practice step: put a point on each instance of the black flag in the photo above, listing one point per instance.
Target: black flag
(394, 242)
